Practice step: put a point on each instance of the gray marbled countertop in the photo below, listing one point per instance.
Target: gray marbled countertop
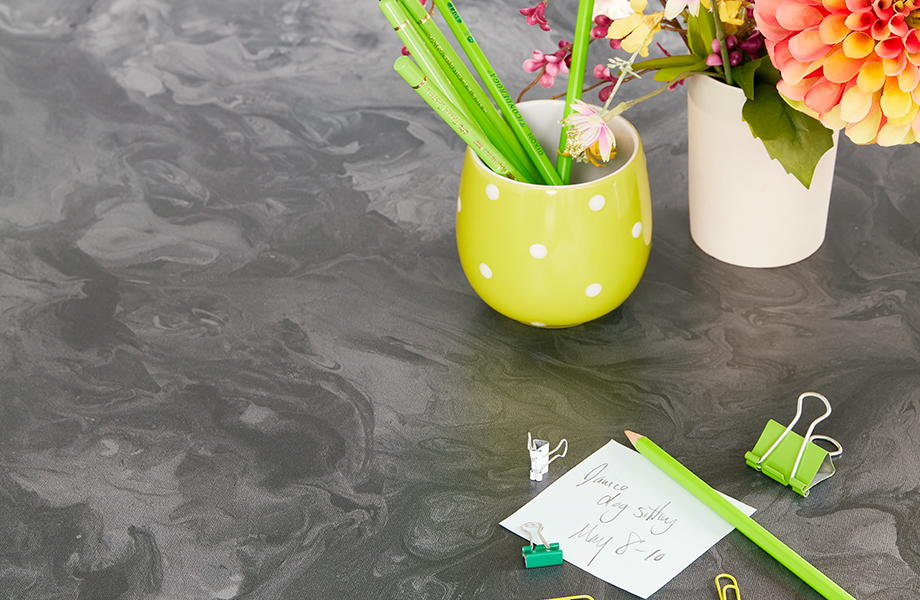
(240, 358)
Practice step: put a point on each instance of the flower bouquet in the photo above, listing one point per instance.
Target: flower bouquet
(806, 67)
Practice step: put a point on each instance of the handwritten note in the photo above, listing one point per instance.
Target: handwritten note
(620, 518)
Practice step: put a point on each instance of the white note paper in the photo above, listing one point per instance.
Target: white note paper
(620, 518)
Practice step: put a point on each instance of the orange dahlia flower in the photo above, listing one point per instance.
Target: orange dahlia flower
(854, 63)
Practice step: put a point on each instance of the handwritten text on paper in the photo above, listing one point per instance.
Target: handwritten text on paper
(618, 517)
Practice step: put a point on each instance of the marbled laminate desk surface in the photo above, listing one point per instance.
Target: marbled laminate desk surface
(240, 359)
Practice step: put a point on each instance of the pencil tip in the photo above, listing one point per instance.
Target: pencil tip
(633, 437)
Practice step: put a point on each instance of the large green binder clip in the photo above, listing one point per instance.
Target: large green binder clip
(544, 555)
(791, 459)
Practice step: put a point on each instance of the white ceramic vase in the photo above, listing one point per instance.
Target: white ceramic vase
(745, 209)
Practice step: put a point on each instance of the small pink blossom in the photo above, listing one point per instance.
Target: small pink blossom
(604, 74)
(601, 25)
(734, 54)
(554, 64)
(536, 15)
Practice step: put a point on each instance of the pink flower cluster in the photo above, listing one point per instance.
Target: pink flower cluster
(553, 64)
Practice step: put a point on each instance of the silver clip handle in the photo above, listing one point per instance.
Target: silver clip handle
(808, 435)
(529, 528)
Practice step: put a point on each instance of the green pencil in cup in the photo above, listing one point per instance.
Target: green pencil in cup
(583, 25)
(493, 125)
(820, 582)
(407, 32)
(483, 148)
(497, 89)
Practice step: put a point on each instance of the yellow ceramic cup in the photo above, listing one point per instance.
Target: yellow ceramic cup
(556, 256)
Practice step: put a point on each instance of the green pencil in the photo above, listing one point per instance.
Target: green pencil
(407, 32)
(820, 582)
(583, 24)
(497, 89)
(493, 125)
(483, 148)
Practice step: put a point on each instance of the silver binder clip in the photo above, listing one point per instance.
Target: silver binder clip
(540, 456)
(791, 459)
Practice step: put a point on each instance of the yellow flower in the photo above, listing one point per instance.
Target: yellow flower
(732, 13)
(636, 31)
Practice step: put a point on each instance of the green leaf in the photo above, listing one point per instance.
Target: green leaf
(744, 76)
(679, 60)
(695, 39)
(669, 74)
(795, 139)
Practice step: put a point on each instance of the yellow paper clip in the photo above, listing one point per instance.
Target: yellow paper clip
(723, 591)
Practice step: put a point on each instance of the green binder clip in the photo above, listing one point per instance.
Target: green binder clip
(791, 459)
(546, 555)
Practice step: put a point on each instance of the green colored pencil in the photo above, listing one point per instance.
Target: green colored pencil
(492, 82)
(583, 24)
(493, 125)
(476, 140)
(407, 32)
(820, 582)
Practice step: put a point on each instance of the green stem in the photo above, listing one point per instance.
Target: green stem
(624, 106)
(720, 35)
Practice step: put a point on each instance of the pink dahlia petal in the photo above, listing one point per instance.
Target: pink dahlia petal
(859, 5)
(865, 131)
(881, 11)
(871, 78)
(889, 48)
(893, 135)
(833, 29)
(859, 21)
(909, 78)
(897, 26)
(770, 31)
(879, 30)
(912, 43)
(836, 6)
(894, 66)
(765, 16)
(858, 45)
(807, 45)
(796, 92)
(779, 54)
(795, 16)
(895, 103)
(840, 68)
(823, 96)
(855, 105)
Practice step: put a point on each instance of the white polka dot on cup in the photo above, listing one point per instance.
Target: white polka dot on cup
(485, 270)
(637, 229)
(492, 191)
(593, 290)
(538, 251)
(597, 202)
